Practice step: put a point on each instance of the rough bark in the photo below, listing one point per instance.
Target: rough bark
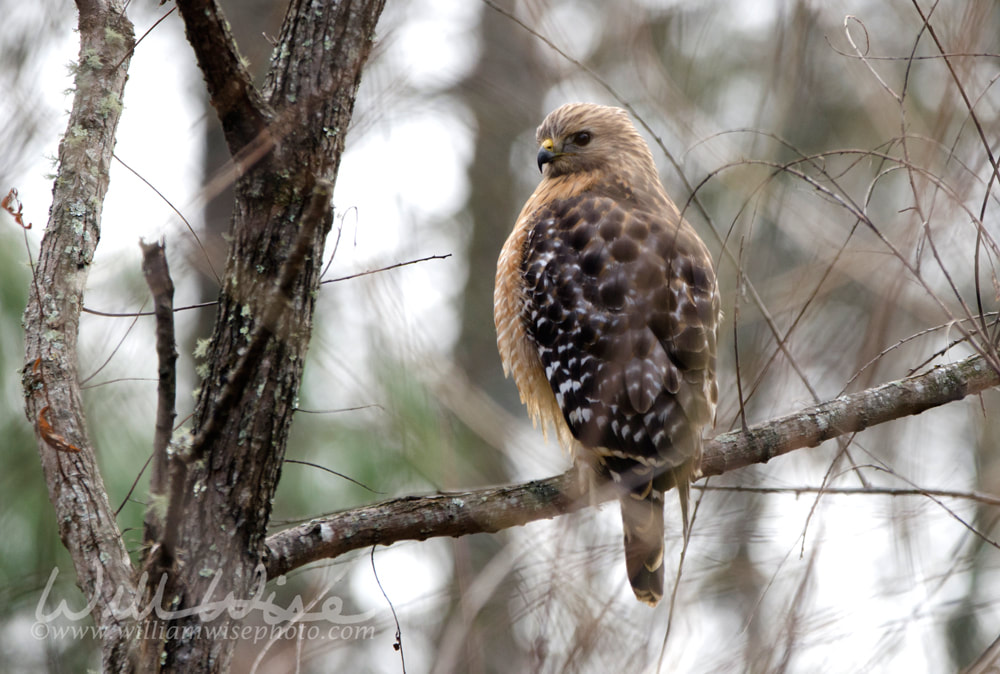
(286, 142)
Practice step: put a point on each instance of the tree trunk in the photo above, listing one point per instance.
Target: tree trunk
(210, 541)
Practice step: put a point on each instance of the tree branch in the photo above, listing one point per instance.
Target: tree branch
(241, 109)
(161, 286)
(489, 510)
(848, 414)
(157, 273)
(50, 379)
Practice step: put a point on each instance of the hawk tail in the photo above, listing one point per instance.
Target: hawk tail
(642, 521)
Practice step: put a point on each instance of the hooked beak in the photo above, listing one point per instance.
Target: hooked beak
(547, 153)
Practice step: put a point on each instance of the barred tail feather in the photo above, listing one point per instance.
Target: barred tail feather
(642, 521)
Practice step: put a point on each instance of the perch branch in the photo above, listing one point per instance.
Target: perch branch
(489, 510)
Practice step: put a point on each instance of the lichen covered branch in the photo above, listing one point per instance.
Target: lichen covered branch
(53, 402)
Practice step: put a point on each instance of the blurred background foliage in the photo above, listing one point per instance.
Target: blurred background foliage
(403, 392)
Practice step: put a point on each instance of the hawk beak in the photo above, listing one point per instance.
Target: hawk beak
(546, 153)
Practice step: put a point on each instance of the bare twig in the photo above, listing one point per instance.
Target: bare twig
(154, 268)
(212, 303)
(333, 472)
(114, 351)
(385, 268)
(191, 230)
(986, 145)
(982, 347)
(974, 496)
(131, 314)
(398, 645)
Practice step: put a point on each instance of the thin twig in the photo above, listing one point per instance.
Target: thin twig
(978, 497)
(386, 268)
(114, 351)
(143, 36)
(135, 483)
(333, 472)
(132, 314)
(176, 210)
(212, 303)
(398, 645)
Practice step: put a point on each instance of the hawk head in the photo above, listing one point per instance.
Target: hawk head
(584, 137)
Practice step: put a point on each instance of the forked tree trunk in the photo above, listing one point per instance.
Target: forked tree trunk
(211, 492)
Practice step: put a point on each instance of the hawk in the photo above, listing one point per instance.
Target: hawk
(606, 309)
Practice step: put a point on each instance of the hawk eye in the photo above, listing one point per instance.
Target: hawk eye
(580, 139)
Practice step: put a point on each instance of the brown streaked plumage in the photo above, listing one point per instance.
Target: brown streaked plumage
(606, 310)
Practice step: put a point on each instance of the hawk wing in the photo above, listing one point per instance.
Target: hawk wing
(622, 307)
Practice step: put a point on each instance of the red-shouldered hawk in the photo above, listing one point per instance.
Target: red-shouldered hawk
(606, 309)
